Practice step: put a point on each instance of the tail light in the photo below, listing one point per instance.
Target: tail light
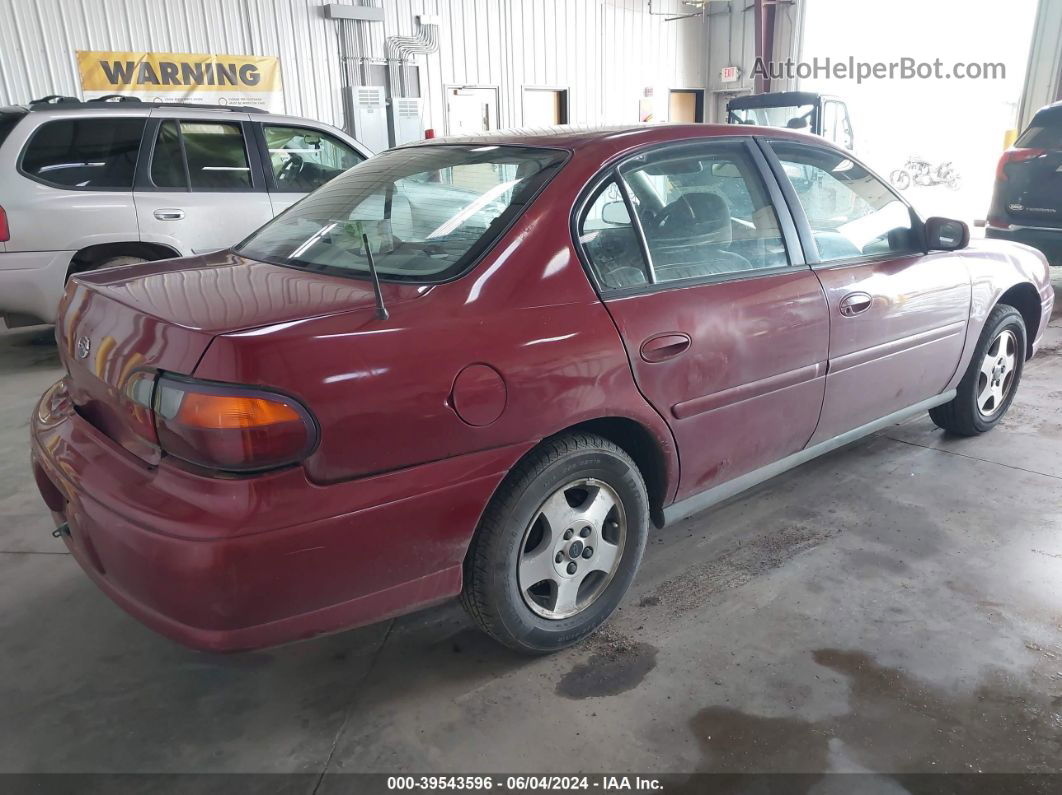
(5, 230)
(429, 133)
(1015, 156)
(230, 428)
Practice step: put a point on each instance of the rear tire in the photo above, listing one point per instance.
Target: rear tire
(991, 380)
(114, 262)
(558, 546)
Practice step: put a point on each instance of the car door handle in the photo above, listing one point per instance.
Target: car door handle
(169, 214)
(664, 346)
(855, 304)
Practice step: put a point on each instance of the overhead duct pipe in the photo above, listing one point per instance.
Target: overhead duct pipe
(399, 48)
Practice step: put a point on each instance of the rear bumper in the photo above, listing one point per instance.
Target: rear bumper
(215, 565)
(31, 283)
(1048, 241)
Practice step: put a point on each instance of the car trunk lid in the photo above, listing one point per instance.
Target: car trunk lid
(119, 327)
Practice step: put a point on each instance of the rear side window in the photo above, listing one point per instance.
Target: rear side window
(1045, 132)
(93, 153)
(7, 124)
(202, 155)
(702, 212)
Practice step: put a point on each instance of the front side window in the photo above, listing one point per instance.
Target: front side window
(426, 211)
(203, 155)
(93, 153)
(851, 212)
(303, 159)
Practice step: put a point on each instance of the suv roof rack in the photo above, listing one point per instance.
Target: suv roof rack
(60, 102)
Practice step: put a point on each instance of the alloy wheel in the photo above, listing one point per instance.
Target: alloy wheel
(996, 377)
(572, 548)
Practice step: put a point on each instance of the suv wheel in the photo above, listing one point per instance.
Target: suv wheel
(116, 261)
(558, 546)
(991, 380)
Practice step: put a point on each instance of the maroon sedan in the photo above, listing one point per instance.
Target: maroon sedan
(486, 367)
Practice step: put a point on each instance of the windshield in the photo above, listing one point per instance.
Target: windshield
(790, 117)
(427, 212)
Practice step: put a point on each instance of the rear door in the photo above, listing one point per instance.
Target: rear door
(1030, 175)
(726, 328)
(299, 159)
(200, 188)
(897, 315)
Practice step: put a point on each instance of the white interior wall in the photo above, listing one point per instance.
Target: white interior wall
(605, 52)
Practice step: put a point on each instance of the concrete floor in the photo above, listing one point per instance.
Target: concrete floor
(895, 606)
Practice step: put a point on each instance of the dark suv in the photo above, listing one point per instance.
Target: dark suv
(1027, 200)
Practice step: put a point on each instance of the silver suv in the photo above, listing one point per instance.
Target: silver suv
(102, 183)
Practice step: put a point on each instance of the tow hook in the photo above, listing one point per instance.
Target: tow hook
(61, 530)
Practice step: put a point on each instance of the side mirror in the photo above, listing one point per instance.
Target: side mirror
(946, 234)
(615, 213)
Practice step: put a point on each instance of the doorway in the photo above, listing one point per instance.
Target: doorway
(686, 105)
(471, 109)
(545, 107)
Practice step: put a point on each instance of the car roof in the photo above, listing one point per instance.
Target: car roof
(615, 137)
(116, 102)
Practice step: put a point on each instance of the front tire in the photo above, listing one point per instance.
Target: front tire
(558, 546)
(991, 380)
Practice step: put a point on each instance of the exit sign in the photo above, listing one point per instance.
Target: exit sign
(729, 74)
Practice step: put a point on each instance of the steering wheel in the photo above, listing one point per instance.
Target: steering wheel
(289, 172)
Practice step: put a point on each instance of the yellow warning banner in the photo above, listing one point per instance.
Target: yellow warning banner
(182, 77)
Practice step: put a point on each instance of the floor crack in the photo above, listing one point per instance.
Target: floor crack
(350, 707)
(971, 457)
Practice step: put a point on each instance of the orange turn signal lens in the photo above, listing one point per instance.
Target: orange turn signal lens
(218, 412)
(230, 427)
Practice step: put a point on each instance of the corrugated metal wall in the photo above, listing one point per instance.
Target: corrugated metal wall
(1043, 81)
(38, 39)
(605, 52)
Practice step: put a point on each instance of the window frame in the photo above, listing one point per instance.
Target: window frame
(143, 183)
(88, 188)
(262, 145)
(803, 226)
(746, 143)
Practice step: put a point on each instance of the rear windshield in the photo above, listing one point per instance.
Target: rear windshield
(1045, 132)
(7, 124)
(790, 117)
(427, 212)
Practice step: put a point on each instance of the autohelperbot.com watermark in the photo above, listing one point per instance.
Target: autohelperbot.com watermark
(851, 68)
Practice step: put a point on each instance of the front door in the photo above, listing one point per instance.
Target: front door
(198, 192)
(897, 315)
(726, 334)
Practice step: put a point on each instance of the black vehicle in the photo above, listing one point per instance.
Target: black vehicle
(809, 111)
(1027, 200)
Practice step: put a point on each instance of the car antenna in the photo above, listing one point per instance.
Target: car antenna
(381, 310)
